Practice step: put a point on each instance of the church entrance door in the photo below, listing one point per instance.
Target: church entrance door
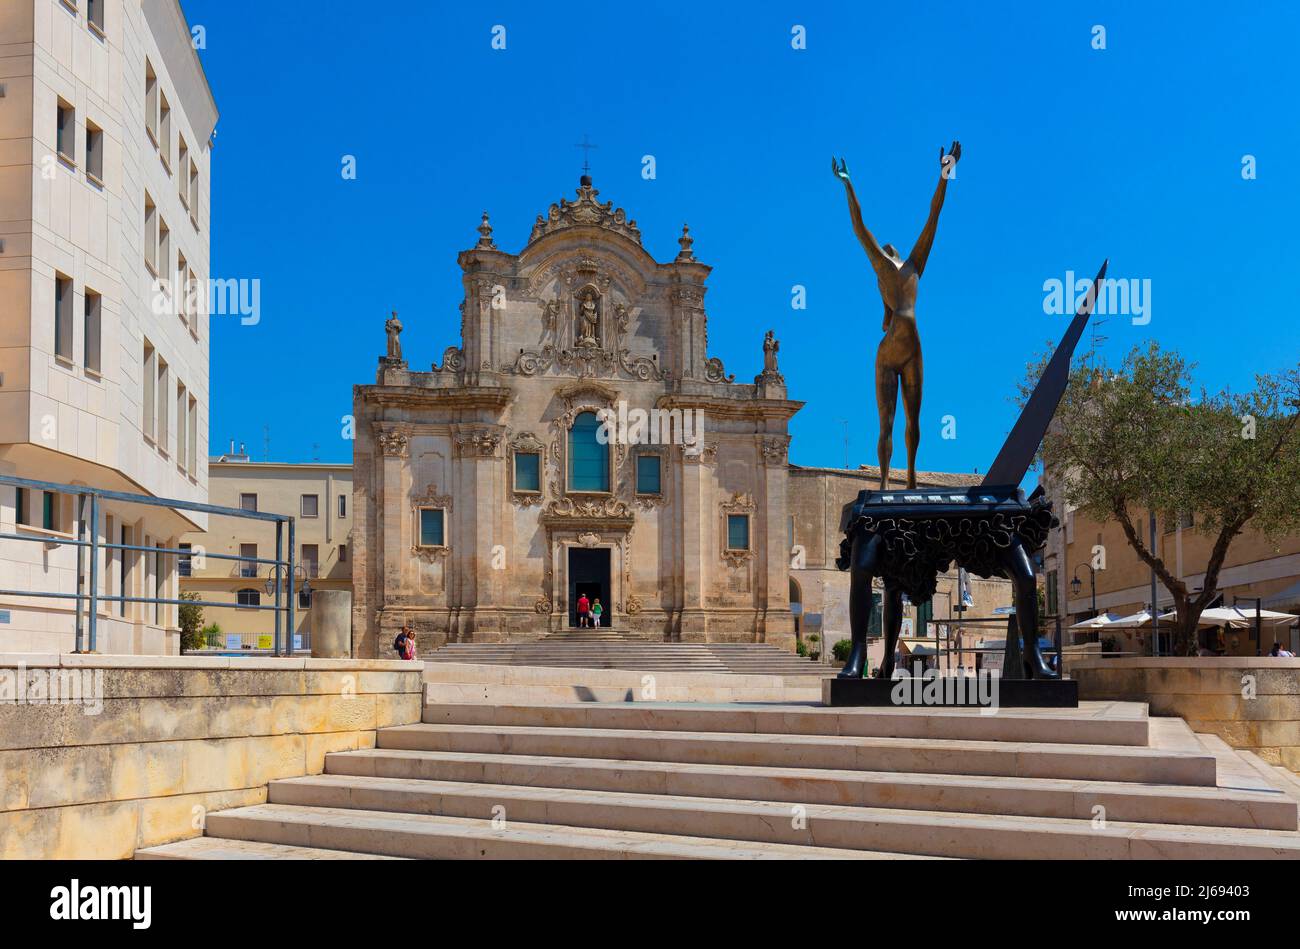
(589, 574)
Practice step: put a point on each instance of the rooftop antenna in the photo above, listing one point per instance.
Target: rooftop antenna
(586, 147)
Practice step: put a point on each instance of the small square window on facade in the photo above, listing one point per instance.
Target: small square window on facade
(248, 597)
(248, 568)
(738, 532)
(311, 560)
(343, 553)
(94, 309)
(310, 505)
(63, 316)
(432, 532)
(65, 132)
(648, 474)
(94, 153)
(528, 471)
(248, 502)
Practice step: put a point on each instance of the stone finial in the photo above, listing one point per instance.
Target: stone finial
(685, 241)
(485, 241)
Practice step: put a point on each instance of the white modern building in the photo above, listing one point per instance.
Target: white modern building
(106, 121)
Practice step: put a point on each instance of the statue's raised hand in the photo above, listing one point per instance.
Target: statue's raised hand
(841, 171)
(948, 162)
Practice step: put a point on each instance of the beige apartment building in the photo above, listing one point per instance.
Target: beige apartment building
(1255, 567)
(105, 126)
(318, 497)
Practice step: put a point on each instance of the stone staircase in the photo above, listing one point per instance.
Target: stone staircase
(770, 782)
(593, 650)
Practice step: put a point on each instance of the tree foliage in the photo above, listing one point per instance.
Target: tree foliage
(191, 622)
(1139, 438)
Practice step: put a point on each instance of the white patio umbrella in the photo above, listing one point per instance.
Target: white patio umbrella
(1096, 622)
(1133, 620)
(1238, 618)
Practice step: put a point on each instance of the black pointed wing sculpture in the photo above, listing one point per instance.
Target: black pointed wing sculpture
(1018, 450)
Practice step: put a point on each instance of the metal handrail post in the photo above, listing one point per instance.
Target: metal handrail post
(279, 547)
(81, 576)
(292, 593)
(94, 569)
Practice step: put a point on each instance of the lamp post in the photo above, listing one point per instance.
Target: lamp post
(1075, 584)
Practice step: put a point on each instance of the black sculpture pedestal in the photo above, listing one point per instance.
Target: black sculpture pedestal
(909, 692)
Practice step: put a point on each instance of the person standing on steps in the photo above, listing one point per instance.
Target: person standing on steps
(596, 612)
(584, 606)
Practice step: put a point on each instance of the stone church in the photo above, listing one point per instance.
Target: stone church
(581, 440)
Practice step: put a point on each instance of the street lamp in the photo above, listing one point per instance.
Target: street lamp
(1076, 585)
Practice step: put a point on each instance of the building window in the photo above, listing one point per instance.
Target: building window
(165, 131)
(194, 193)
(648, 474)
(183, 164)
(94, 153)
(588, 458)
(248, 597)
(248, 502)
(94, 305)
(311, 560)
(192, 464)
(1186, 521)
(185, 564)
(163, 257)
(150, 234)
(20, 506)
(924, 613)
(95, 15)
(124, 576)
(65, 132)
(151, 102)
(343, 505)
(431, 527)
(147, 399)
(63, 317)
(182, 290)
(182, 429)
(248, 566)
(49, 510)
(309, 505)
(343, 553)
(1052, 593)
(528, 471)
(738, 532)
(162, 426)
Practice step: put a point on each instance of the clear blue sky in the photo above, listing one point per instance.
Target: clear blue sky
(1070, 155)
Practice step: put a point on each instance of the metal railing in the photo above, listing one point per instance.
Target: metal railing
(89, 502)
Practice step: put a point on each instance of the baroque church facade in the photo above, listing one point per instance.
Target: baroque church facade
(493, 490)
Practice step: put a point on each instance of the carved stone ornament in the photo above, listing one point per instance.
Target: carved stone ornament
(699, 454)
(393, 442)
(586, 362)
(585, 211)
(774, 451)
(577, 507)
(589, 539)
(478, 443)
(714, 371)
(453, 360)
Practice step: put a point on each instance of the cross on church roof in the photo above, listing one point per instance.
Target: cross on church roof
(586, 147)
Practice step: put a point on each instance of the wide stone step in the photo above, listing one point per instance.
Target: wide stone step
(919, 756)
(437, 837)
(891, 830)
(1108, 725)
(1035, 797)
(216, 848)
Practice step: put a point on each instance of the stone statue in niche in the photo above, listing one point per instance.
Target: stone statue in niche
(588, 319)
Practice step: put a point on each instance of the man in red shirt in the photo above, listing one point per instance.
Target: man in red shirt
(583, 606)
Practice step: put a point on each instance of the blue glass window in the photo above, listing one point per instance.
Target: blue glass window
(647, 474)
(528, 471)
(738, 532)
(588, 458)
(431, 532)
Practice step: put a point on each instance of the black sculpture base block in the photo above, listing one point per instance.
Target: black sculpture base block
(1007, 693)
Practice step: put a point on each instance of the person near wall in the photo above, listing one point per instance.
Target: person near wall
(597, 611)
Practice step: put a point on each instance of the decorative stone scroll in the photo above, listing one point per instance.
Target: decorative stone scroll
(585, 211)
